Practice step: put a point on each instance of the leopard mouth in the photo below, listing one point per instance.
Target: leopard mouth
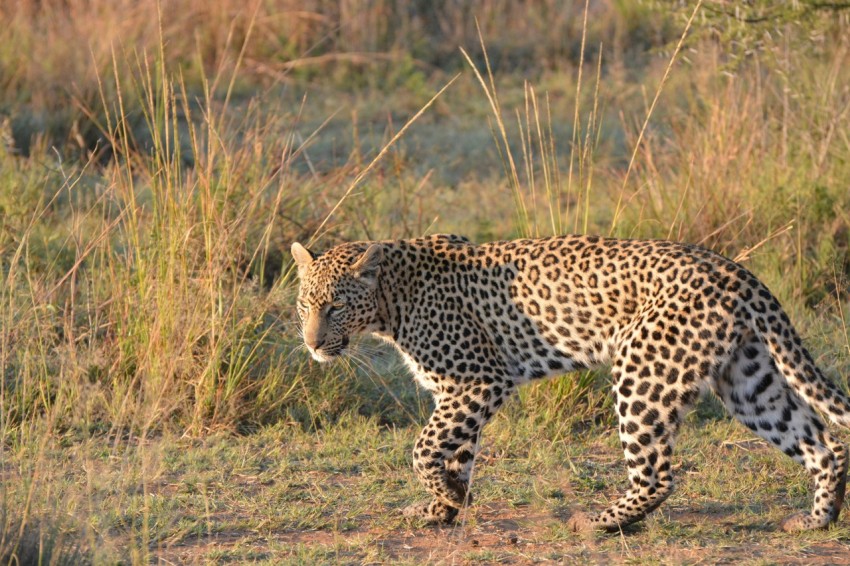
(328, 354)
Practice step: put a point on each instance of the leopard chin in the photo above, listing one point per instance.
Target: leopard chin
(319, 356)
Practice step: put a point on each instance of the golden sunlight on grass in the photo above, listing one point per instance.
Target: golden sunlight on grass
(158, 158)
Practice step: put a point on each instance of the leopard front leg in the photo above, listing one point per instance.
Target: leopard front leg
(651, 402)
(444, 454)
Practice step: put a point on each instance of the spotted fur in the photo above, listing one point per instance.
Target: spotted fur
(474, 322)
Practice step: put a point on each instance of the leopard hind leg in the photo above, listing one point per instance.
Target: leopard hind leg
(755, 392)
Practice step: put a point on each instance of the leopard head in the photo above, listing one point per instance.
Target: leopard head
(338, 295)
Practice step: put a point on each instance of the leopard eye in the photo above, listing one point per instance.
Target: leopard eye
(336, 307)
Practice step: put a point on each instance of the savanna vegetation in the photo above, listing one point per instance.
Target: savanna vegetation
(157, 158)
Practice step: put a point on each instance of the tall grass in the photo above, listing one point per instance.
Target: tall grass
(154, 308)
(57, 55)
(133, 295)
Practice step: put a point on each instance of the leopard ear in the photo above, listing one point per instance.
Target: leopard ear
(302, 256)
(368, 266)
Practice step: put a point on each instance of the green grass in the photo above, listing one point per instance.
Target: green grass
(154, 401)
(284, 494)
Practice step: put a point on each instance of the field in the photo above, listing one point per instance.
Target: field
(157, 159)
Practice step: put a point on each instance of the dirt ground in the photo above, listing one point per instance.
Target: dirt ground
(506, 535)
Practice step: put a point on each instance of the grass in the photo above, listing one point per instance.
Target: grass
(285, 494)
(154, 404)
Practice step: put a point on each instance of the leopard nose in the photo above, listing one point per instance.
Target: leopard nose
(314, 334)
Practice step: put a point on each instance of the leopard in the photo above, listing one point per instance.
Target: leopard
(474, 322)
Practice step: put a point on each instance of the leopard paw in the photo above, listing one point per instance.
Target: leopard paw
(433, 512)
(802, 522)
(582, 523)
